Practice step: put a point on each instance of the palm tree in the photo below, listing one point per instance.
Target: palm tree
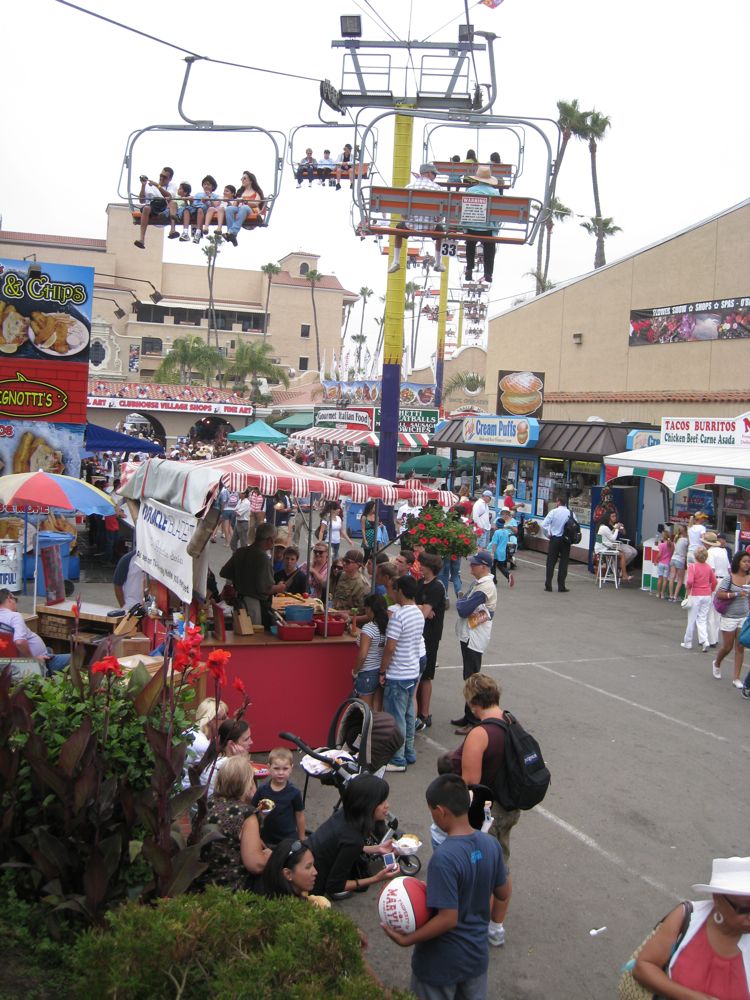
(597, 127)
(212, 249)
(269, 270)
(572, 122)
(314, 277)
(542, 285)
(254, 359)
(188, 355)
(601, 229)
(410, 305)
(359, 339)
(557, 213)
(472, 382)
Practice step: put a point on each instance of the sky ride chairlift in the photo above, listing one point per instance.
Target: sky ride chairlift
(276, 138)
(363, 163)
(443, 80)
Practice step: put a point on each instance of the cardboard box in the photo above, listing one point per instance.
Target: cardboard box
(132, 645)
(242, 623)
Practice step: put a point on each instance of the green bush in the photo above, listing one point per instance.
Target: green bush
(229, 946)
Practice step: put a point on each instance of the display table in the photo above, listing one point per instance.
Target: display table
(293, 686)
(56, 623)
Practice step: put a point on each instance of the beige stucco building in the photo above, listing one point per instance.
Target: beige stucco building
(130, 348)
(579, 333)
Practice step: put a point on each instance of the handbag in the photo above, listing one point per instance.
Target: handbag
(745, 633)
(629, 988)
(722, 604)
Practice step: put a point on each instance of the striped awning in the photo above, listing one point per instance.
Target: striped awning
(348, 435)
(680, 467)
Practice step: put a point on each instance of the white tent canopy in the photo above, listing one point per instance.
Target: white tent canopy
(680, 466)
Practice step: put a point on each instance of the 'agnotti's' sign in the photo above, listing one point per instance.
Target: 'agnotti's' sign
(501, 431)
(728, 432)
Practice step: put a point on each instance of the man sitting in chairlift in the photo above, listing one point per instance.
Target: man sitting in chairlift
(326, 166)
(157, 200)
(306, 168)
(425, 182)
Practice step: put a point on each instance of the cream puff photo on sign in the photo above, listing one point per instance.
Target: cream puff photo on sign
(520, 393)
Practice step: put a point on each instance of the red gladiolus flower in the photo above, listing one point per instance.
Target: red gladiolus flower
(433, 540)
(238, 685)
(107, 665)
(217, 661)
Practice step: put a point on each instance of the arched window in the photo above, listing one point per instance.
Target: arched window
(98, 353)
(304, 268)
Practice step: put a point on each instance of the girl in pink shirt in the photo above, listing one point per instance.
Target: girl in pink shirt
(665, 548)
(700, 585)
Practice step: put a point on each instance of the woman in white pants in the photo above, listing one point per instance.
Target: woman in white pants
(718, 560)
(700, 585)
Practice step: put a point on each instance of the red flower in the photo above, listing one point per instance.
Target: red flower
(421, 527)
(217, 661)
(423, 541)
(412, 531)
(440, 524)
(76, 609)
(238, 685)
(433, 540)
(107, 665)
(427, 517)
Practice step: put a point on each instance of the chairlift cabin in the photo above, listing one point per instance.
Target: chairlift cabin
(363, 158)
(269, 174)
(515, 219)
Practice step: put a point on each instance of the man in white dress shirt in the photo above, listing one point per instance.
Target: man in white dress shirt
(559, 547)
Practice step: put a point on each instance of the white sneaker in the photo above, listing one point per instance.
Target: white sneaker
(184, 236)
(686, 645)
(395, 266)
(439, 267)
(496, 937)
(706, 646)
(716, 671)
(737, 683)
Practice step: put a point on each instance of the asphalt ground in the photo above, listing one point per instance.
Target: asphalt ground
(645, 748)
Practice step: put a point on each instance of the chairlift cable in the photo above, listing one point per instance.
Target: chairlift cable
(386, 27)
(447, 23)
(473, 57)
(180, 48)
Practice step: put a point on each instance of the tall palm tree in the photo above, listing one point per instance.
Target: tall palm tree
(601, 229)
(314, 277)
(410, 305)
(360, 339)
(596, 129)
(212, 249)
(254, 359)
(574, 123)
(269, 270)
(472, 382)
(557, 213)
(188, 355)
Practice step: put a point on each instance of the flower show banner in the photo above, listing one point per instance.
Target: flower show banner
(719, 319)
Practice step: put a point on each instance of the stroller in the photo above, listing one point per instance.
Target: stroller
(359, 741)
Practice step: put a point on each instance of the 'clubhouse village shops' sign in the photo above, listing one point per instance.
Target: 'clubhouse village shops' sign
(503, 432)
(45, 329)
(718, 319)
(729, 432)
(171, 406)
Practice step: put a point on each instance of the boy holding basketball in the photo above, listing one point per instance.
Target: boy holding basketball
(451, 954)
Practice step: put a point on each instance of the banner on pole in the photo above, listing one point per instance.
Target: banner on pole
(162, 536)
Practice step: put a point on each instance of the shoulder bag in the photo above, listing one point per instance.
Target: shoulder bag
(629, 988)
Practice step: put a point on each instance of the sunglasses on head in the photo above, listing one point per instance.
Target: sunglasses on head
(740, 910)
(296, 847)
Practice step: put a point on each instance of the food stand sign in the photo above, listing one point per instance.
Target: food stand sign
(642, 439)
(728, 432)
(364, 418)
(504, 432)
(520, 394)
(414, 421)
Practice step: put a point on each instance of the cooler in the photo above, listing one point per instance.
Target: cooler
(46, 539)
(10, 565)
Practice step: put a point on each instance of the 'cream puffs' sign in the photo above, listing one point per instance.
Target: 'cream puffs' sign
(500, 431)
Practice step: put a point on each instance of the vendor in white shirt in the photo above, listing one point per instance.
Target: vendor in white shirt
(608, 538)
(481, 515)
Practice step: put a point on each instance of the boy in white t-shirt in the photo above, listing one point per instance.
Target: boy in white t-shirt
(399, 670)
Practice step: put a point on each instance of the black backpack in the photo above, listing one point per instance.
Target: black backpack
(572, 531)
(523, 780)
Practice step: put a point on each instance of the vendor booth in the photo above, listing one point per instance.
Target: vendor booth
(702, 464)
(293, 684)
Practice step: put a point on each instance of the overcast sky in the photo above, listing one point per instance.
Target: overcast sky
(671, 74)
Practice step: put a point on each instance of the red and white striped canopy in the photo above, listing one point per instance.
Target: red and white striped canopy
(358, 436)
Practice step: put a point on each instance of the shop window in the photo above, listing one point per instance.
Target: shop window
(584, 475)
(303, 363)
(525, 484)
(304, 330)
(552, 476)
(151, 345)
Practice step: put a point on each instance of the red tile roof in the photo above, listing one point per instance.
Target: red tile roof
(673, 396)
(297, 397)
(7, 236)
(327, 281)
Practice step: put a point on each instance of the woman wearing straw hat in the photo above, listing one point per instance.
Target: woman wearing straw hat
(486, 185)
(709, 958)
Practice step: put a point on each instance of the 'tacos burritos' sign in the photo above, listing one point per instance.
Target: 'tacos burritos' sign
(728, 432)
(501, 431)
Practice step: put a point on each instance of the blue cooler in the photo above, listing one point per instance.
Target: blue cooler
(46, 539)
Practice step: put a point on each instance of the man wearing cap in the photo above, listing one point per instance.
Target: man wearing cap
(474, 625)
(482, 517)
(351, 587)
(425, 182)
(486, 185)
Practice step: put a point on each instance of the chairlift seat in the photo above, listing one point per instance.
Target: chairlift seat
(512, 216)
(360, 170)
(258, 222)
(505, 172)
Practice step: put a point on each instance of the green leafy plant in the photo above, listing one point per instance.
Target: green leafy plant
(224, 944)
(446, 535)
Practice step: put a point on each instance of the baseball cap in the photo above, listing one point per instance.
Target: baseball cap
(487, 493)
(481, 558)
(428, 168)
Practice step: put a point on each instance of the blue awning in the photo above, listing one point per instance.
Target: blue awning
(102, 439)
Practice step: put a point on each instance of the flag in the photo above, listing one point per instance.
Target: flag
(491, 3)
